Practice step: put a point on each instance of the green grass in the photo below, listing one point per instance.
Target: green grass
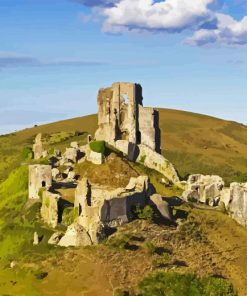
(175, 284)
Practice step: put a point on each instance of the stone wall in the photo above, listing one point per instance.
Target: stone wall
(40, 177)
(121, 116)
(100, 208)
(50, 208)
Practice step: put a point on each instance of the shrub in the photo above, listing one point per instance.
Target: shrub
(175, 284)
(98, 146)
(119, 241)
(27, 153)
(146, 213)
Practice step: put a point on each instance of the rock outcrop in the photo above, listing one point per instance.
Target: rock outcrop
(75, 236)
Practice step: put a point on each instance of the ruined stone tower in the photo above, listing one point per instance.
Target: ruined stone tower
(122, 116)
(40, 176)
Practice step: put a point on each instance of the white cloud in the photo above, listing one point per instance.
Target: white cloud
(228, 32)
(173, 16)
(169, 15)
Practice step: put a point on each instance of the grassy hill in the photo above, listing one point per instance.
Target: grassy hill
(194, 143)
(198, 257)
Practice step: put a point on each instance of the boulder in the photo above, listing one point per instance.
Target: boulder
(95, 157)
(238, 202)
(161, 205)
(75, 236)
(35, 239)
(74, 145)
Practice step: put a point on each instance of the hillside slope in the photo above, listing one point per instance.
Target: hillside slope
(194, 143)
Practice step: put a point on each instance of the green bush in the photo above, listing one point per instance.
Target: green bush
(119, 241)
(98, 146)
(175, 284)
(146, 213)
(27, 153)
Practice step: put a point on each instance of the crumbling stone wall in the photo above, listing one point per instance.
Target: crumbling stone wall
(121, 116)
(40, 177)
(50, 208)
(100, 208)
(205, 189)
(38, 151)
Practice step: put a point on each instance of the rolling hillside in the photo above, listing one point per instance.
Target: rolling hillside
(194, 143)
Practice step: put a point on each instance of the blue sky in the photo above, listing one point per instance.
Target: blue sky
(55, 54)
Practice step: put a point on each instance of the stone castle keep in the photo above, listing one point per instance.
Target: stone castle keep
(121, 116)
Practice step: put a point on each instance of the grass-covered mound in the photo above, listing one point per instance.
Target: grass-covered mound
(175, 284)
(98, 146)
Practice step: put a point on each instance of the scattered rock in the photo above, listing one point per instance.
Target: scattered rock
(35, 239)
(75, 236)
(161, 205)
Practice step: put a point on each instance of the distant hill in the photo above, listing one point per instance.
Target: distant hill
(194, 143)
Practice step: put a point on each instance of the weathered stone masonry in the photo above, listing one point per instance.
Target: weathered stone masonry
(122, 116)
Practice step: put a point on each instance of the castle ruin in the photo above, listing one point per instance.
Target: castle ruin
(40, 177)
(121, 116)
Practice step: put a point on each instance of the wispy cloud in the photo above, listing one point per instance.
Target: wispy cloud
(13, 60)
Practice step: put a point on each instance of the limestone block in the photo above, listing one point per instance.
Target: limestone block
(55, 173)
(70, 154)
(225, 196)
(238, 202)
(75, 236)
(35, 239)
(49, 208)
(71, 175)
(74, 145)
(96, 158)
(161, 205)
